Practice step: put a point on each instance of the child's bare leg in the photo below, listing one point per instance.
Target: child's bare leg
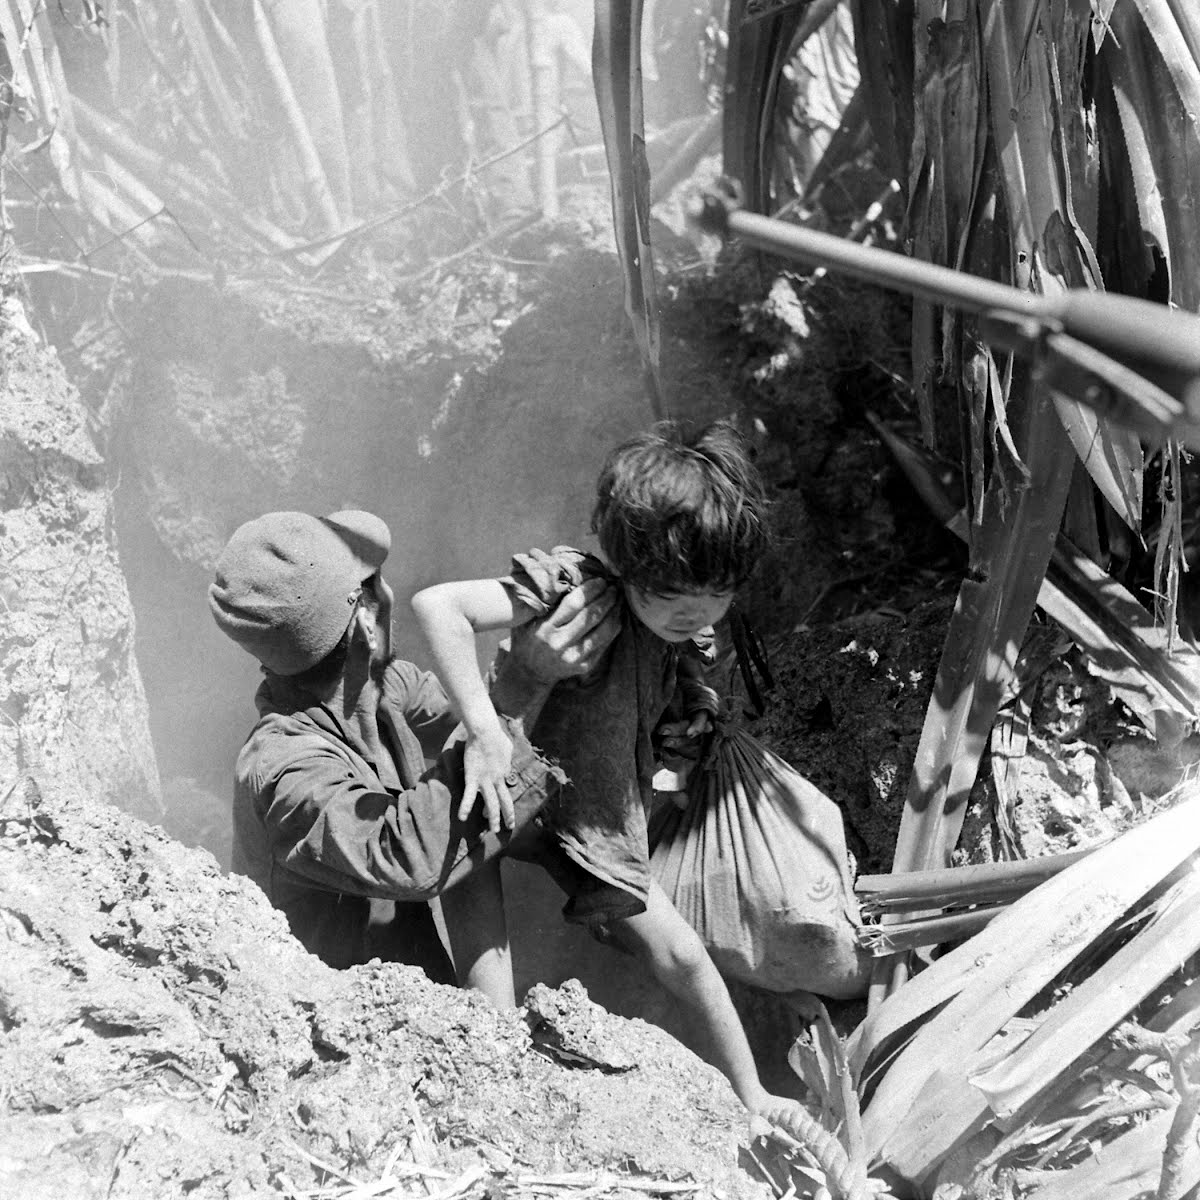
(475, 924)
(664, 940)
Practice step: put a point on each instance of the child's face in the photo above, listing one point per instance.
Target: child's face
(677, 616)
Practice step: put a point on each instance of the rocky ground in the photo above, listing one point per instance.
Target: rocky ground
(161, 1034)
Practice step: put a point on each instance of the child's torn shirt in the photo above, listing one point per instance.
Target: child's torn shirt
(599, 730)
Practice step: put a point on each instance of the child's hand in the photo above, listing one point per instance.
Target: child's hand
(682, 738)
(487, 760)
(679, 749)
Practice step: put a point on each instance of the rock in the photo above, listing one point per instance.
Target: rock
(571, 1028)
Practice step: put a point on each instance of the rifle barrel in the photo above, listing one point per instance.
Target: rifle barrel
(1160, 342)
(887, 268)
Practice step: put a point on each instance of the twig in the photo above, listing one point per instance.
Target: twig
(1183, 1054)
(9, 165)
(435, 194)
(1072, 1127)
(123, 234)
(606, 1182)
(320, 1164)
(885, 940)
(496, 234)
(959, 885)
(144, 195)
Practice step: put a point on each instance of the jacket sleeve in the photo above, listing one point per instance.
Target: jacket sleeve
(421, 700)
(327, 828)
(540, 580)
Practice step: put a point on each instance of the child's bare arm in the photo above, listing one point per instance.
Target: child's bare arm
(450, 615)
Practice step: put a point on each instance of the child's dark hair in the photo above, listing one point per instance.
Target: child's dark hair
(678, 510)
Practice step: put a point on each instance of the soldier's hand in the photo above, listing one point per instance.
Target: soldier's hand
(574, 638)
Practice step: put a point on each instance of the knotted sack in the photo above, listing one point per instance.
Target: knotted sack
(756, 863)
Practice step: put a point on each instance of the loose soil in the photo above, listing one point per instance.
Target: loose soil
(161, 1034)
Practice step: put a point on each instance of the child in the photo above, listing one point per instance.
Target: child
(681, 523)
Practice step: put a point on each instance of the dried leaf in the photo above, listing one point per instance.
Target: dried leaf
(1119, 637)
(1175, 28)
(1127, 1168)
(1111, 453)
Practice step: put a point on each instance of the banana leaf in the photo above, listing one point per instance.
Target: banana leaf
(978, 987)
(320, 191)
(1027, 74)
(1098, 1003)
(1154, 75)
(883, 41)
(617, 78)
(756, 55)
(894, 1021)
(1082, 1092)
(292, 37)
(1022, 515)
(951, 128)
(233, 120)
(1028, 77)
(959, 1099)
(985, 634)
(1123, 644)
(981, 883)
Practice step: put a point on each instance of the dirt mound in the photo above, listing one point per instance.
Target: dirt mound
(70, 693)
(162, 1034)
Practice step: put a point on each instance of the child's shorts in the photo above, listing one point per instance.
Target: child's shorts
(592, 902)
